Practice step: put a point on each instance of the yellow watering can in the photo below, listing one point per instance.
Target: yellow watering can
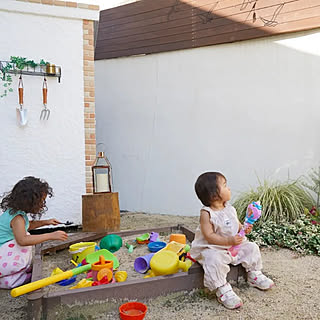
(166, 262)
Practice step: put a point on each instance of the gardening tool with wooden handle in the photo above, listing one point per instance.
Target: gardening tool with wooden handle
(45, 113)
(21, 111)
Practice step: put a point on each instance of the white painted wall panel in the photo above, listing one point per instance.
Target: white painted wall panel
(53, 149)
(246, 109)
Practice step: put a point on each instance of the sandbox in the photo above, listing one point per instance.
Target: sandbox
(43, 303)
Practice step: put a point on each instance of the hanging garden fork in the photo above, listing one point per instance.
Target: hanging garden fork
(45, 113)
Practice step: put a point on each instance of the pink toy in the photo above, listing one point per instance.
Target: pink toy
(252, 215)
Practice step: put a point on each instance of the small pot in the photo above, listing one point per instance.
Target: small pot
(51, 69)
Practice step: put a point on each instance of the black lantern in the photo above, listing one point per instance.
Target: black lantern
(101, 174)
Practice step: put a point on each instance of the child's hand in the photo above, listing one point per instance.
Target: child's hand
(248, 229)
(236, 240)
(53, 222)
(59, 235)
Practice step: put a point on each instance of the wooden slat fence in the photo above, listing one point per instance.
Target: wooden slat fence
(151, 26)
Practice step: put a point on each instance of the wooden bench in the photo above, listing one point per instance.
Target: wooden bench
(236, 272)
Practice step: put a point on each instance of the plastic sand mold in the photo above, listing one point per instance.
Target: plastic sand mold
(95, 257)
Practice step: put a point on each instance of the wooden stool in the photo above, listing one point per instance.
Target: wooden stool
(100, 212)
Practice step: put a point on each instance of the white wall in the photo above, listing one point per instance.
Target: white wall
(53, 149)
(107, 4)
(246, 109)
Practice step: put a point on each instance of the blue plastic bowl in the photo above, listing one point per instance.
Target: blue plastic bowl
(156, 246)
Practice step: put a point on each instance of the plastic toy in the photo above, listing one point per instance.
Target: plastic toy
(95, 256)
(65, 282)
(82, 284)
(105, 272)
(16, 292)
(252, 215)
(143, 239)
(154, 237)
(188, 256)
(178, 237)
(104, 280)
(166, 262)
(121, 276)
(156, 246)
(111, 242)
(178, 248)
(130, 247)
(100, 265)
(80, 250)
(142, 264)
(133, 311)
(77, 264)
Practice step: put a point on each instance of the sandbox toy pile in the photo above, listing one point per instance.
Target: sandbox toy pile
(99, 264)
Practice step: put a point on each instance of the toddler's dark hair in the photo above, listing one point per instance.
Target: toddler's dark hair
(207, 188)
(28, 196)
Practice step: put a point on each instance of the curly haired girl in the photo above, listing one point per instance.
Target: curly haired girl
(28, 196)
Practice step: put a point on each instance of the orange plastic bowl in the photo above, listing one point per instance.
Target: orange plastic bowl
(133, 311)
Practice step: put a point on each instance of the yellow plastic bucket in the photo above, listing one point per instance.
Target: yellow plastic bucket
(80, 250)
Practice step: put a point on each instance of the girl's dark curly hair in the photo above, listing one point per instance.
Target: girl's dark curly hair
(28, 195)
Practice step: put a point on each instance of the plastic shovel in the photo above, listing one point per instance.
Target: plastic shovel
(21, 111)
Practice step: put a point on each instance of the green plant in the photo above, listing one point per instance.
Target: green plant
(16, 63)
(313, 214)
(300, 236)
(7, 81)
(281, 201)
(312, 182)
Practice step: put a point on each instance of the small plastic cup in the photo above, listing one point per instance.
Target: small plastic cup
(154, 236)
(142, 264)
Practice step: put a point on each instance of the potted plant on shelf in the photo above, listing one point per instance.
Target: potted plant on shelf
(17, 64)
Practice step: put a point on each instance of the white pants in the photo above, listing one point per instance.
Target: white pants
(215, 263)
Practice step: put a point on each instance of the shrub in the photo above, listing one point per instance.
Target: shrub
(302, 236)
(312, 182)
(281, 201)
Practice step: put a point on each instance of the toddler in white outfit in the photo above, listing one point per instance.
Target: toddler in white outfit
(217, 233)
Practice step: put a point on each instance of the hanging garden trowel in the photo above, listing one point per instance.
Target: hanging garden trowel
(21, 111)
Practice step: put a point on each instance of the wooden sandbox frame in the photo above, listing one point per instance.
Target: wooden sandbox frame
(40, 303)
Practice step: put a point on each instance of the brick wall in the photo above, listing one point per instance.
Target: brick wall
(89, 100)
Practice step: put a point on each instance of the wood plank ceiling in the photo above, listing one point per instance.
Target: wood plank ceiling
(151, 26)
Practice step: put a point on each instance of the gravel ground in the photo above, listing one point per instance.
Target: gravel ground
(295, 296)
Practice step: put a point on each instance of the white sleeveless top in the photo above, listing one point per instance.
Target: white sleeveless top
(225, 223)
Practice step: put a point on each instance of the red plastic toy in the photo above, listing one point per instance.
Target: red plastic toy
(133, 311)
